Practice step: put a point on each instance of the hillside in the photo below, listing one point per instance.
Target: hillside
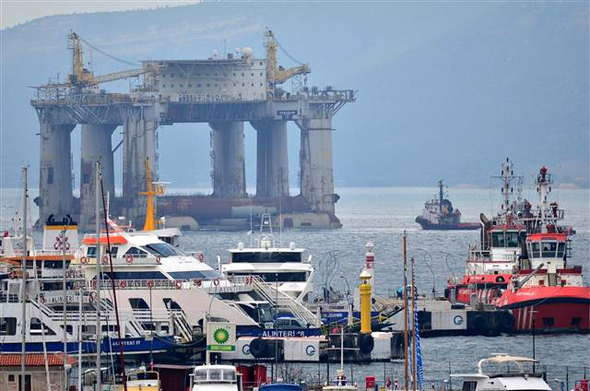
(446, 90)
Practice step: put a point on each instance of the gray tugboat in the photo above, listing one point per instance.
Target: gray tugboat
(439, 214)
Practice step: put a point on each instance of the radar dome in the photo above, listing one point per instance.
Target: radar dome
(247, 52)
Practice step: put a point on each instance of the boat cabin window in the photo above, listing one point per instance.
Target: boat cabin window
(136, 252)
(39, 328)
(229, 375)
(162, 249)
(469, 386)
(547, 249)
(215, 374)
(143, 376)
(266, 257)
(134, 276)
(137, 303)
(7, 326)
(198, 274)
(201, 375)
(278, 277)
(505, 239)
(171, 304)
(91, 252)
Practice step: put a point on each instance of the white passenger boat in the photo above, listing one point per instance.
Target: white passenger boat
(214, 378)
(505, 373)
(283, 267)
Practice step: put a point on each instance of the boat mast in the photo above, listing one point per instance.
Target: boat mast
(440, 196)
(24, 281)
(105, 212)
(98, 280)
(414, 368)
(63, 253)
(406, 372)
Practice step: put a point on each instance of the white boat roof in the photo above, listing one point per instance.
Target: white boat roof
(265, 267)
(501, 358)
(216, 366)
(266, 250)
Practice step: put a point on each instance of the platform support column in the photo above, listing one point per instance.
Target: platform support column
(140, 142)
(55, 171)
(96, 145)
(272, 159)
(315, 163)
(229, 167)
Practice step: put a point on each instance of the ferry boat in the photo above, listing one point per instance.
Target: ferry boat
(505, 373)
(283, 267)
(439, 214)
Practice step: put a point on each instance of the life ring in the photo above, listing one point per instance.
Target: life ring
(129, 259)
(216, 282)
(178, 284)
(249, 280)
(91, 298)
(201, 257)
(105, 260)
(42, 299)
(123, 284)
(150, 284)
(197, 282)
(158, 259)
(93, 284)
(83, 260)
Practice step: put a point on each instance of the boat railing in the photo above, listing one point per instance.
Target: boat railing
(477, 255)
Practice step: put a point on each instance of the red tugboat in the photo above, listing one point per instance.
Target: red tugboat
(545, 293)
(522, 266)
(439, 214)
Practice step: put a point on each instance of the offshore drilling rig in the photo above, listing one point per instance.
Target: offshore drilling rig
(223, 92)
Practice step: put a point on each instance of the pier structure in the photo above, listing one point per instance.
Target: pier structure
(222, 92)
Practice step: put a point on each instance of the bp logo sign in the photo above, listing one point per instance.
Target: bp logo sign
(221, 337)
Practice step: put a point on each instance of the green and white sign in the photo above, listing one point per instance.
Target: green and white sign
(221, 337)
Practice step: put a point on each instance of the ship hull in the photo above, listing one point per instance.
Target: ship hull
(427, 225)
(549, 309)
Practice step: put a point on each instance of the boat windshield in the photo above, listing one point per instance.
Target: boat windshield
(277, 277)
(266, 257)
(143, 376)
(162, 249)
(547, 250)
(214, 375)
(506, 239)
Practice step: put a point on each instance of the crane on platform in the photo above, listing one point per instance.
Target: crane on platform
(81, 77)
(277, 74)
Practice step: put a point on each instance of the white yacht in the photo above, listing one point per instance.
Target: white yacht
(285, 268)
(505, 373)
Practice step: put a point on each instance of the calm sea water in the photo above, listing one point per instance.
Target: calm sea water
(381, 215)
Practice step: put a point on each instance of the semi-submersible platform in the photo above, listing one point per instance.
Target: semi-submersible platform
(223, 91)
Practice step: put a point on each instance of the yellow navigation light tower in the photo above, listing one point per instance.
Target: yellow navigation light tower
(365, 300)
(153, 189)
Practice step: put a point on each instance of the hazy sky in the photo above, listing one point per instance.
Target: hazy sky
(13, 12)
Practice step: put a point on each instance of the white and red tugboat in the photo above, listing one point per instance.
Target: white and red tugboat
(439, 214)
(522, 266)
(546, 293)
